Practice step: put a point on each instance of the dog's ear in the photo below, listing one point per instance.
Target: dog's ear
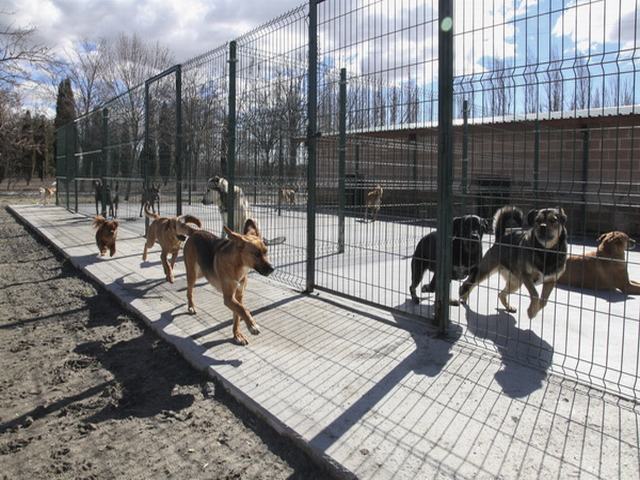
(562, 215)
(531, 216)
(232, 235)
(487, 225)
(251, 228)
(601, 238)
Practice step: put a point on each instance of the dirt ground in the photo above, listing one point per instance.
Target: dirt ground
(87, 392)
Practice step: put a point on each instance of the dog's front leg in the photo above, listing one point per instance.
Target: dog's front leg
(252, 326)
(239, 312)
(536, 304)
(166, 266)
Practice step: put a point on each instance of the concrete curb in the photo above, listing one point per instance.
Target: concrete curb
(196, 360)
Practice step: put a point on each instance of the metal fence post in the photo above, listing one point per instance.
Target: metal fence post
(445, 161)
(178, 152)
(312, 133)
(68, 156)
(280, 172)
(342, 154)
(146, 148)
(104, 158)
(74, 141)
(465, 151)
(585, 175)
(231, 133)
(536, 162)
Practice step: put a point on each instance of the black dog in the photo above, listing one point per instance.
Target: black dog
(466, 252)
(151, 196)
(528, 256)
(112, 199)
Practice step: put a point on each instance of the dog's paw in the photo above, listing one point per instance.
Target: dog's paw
(240, 339)
(254, 329)
(511, 309)
(192, 310)
(426, 289)
(170, 278)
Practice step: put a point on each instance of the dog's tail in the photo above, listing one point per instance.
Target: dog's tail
(507, 217)
(148, 213)
(183, 224)
(98, 221)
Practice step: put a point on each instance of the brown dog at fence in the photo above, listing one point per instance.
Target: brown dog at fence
(287, 196)
(106, 233)
(604, 268)
(169, 233)
(374, 200)
(225, 263)
(47, 193)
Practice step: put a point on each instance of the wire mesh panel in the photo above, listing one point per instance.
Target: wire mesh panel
(204, 138)
(123, 172)
(271, 127)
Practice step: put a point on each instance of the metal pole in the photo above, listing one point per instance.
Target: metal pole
(536, 161)
(74, 139)
(145, 173)
(178, 140)
(231, 133)
(585, 175)
(465, 151)
(280, 172)
(68, 157)
(342, 153)
(445, 161)
(104, 158)
(312, 133)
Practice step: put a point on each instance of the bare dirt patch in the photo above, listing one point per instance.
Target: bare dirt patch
(87, 392)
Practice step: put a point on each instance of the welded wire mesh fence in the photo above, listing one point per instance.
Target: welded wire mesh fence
(545, 116)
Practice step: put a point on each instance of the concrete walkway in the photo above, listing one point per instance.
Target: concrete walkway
(370, 393)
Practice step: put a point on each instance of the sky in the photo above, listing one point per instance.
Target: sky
(397, 37)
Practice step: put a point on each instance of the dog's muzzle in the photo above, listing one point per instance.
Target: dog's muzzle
(265, 270)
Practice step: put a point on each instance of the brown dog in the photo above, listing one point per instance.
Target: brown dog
(603, 269)
(169, 233)
(225, 264)
(47, 193)
(106, 233)
(374, 200)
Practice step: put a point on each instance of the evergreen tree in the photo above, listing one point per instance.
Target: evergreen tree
(65, 110)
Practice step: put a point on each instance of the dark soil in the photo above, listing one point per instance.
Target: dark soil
(87, 392)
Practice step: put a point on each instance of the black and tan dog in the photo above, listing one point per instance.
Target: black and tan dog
(169, 233)
(605, 268)
(225, 263)
(106, 233)
(466, 252)
(524, 256)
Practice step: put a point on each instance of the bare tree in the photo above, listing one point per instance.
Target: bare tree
(554, 82)
(85, 67)
(531, 103)
(582, 88)
(20, 53)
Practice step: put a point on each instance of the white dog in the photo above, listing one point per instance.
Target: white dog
(241, 211)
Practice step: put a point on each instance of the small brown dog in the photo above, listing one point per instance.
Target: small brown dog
(225, 263)
(47, 193)
(374, 200)
(106, 233)
(603, 269)
(169, 233)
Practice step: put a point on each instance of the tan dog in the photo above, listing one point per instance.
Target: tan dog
(287, 195)
(225, 263)
(169, 233)
(603, 269)
(106, 233)
(47, 193)
(374, 200)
